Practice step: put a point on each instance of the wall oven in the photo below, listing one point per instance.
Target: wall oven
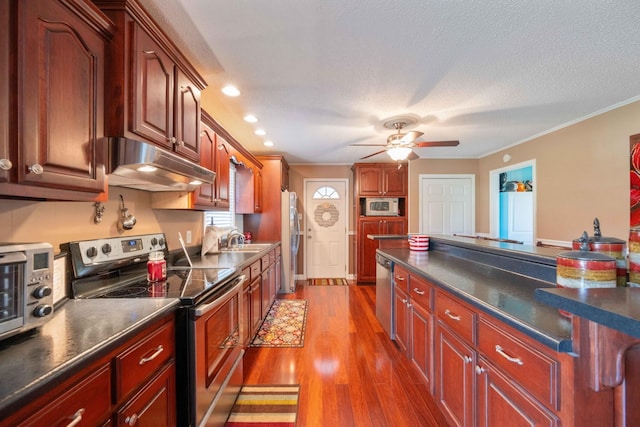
(208, 351)
(26, 286)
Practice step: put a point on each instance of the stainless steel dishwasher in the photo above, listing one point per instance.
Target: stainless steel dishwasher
(384, 294)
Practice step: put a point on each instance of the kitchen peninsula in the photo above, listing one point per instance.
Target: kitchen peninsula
(481, 317)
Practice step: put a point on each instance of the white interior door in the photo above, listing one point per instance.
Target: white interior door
(447, 204)
(520, 216)
(326, 231)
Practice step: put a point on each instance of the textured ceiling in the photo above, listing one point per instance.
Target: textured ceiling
(323, 74)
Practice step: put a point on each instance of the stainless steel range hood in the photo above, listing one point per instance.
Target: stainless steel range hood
(143, 166)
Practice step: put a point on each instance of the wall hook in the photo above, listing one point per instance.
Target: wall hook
(99, 212)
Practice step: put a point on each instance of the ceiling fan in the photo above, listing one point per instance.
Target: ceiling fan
(399, 144)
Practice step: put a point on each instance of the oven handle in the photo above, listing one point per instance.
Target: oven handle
(203, 309)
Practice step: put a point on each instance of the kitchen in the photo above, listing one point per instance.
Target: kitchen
(563, 188)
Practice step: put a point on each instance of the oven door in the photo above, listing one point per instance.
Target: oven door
(217, 354)
(12, 292)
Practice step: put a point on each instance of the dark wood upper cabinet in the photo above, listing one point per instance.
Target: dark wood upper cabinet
(380, 180)
(154, 92)
(52, 133)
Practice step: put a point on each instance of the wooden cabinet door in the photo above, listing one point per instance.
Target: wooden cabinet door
(369, 181)
(366, 256)
(394, 181)
(257, 191)
(154, 405)
(245, 315)
(204, 195)
(153, 91)
(187, 117)
(454, 377)
(499, 400)
(401, 317)
(256, 304)
(421, 344)
(60, 94)
(394, 226)
(222, 159)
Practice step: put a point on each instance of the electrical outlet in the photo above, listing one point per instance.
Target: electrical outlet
(188, 236)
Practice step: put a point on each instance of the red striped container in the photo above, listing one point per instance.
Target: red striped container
(584, 269)
(613, 247)
(634, 257)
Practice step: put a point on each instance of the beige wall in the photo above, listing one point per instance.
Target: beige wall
(582, 172)
(60, 222)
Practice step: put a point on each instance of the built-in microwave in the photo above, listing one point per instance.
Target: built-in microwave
(26, 286)
(381, 206)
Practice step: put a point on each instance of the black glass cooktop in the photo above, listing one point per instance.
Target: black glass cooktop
(187, 284)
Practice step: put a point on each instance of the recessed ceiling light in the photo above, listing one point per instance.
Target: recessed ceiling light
(147, 168)
(230, 90)
(268, 144)
(260, 132)
(250, 118)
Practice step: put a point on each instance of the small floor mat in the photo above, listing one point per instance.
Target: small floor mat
(267, 405)
(328, 282)
(284, 325)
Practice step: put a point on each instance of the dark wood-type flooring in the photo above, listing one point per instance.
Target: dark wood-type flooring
(350, 373)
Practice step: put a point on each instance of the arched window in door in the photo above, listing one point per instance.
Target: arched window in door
(326, 192)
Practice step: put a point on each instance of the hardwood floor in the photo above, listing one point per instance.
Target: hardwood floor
(350, 373)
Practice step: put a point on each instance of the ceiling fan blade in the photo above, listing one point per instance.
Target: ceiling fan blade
(412, 156)
(367, 145)
(437, 143)
(374, 154)
(410, 136)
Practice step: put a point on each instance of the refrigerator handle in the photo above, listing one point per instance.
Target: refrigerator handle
(296, 222)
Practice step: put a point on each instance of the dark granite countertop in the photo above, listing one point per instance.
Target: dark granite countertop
(78, 330)
(227, 259)
(615, 308)
(503, 294)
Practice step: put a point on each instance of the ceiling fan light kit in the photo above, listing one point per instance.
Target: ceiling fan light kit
(399, 153)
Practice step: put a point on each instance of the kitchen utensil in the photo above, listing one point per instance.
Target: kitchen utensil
(127, 221)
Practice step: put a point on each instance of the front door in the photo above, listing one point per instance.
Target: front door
(326, 228)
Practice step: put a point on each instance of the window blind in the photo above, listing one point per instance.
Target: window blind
(225, 218)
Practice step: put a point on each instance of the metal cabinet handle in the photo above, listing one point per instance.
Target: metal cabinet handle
(418, 291)
(452, 316)
(5, 164)
(399, 279)
(36, 168)
(171, 140)
(131, 420)
(180, 143)
(501, 352)
(404, 301)
(479, 370)
(76, 418)
(144, 360)
(467, 359)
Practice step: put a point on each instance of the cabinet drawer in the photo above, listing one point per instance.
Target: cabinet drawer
(138, 363)
(533, 370)
(401, 277)
(88, 402)
(420, 292)
(255, 271)
(265, 262)
(456, 316)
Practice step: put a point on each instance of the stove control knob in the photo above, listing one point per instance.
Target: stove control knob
(41, 292)
(161, 241)
(154, 241)
(92, 252)
(106, 249)
(42, 310)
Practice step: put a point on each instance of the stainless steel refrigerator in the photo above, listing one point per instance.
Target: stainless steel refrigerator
(290, 240)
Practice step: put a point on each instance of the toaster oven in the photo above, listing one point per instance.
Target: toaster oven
(26, 286)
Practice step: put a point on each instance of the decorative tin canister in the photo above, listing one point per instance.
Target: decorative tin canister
(584, 269)
(634, 257)
(617, 248)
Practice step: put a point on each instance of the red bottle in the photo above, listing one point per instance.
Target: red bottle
(156, 267)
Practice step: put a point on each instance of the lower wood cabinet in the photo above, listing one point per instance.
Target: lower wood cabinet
(131, 385)
(366, 248)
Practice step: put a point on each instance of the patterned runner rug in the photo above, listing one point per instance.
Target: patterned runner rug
(270, 405)
(328, 282)
(284, 325)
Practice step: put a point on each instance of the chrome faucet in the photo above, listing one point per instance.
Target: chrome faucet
(234, 235)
